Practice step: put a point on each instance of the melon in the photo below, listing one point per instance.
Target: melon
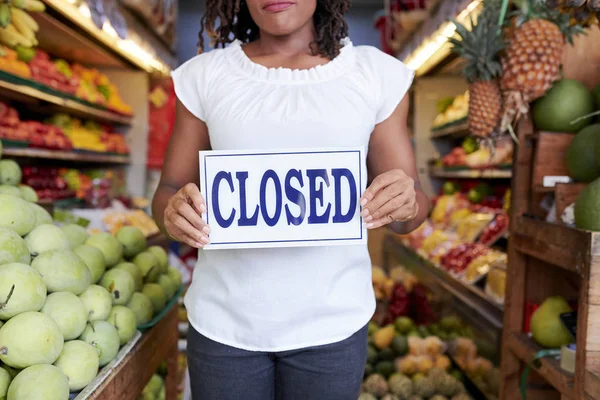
(93, 259)
(69, 313)
(109, 246)
(120, 285)
(77, 234)
(104, 338)
(11, 190)
(28, 194)
(168, 286)
(39, 382)
(547, 328)
(149, 265)
(123, 319)
(142, 308)
(46, 237)
(41, 215)
(566, 101)
(157, 296)
(13, 248)
(16, 214)
(132, 239)
(175, 275)
(582, 154)
(97, 302)
(161, 256)
(5, 379)
(79, 361)
(63, 271)
(586, 211)
(10, 173)
(135, 272)
(21, 289)
(30, 338)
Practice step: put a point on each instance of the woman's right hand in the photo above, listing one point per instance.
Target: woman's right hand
(182, 217)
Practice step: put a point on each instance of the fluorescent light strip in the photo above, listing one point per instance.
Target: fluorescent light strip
(436, 46)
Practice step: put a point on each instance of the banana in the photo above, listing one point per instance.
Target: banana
(10, 37)
(34, 6)
(5, 15)
(19, 3)
(25, 19)
(22, 40)
(21, 26)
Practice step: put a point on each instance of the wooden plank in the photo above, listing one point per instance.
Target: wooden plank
(490, 173)
(556, 244)
(525, 349)
(514, 303)
(550, 155)
(66, 156)
(129, 379)
(565, 194)
(592, 384)
(457, 131)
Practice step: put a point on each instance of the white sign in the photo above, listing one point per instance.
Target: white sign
(283, 198)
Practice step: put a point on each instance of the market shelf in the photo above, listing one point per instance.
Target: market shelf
(66, 155)
(525, 349)
(559, 245)
(456, 131)
(441, 172)
(592, 384)
(474, 298)
(29, 94)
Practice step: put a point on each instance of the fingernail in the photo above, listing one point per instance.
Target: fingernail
(365, 212)
(368, 218)
(205, 240)
(206, 229)
(369, 225)
(203, 208)
(199, 245)
(363, 201)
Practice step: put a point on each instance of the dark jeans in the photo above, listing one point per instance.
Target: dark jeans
(330, 372)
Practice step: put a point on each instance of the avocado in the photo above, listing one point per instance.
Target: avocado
(400, 345)
(386, 355)
(371, 354)
(385, 368)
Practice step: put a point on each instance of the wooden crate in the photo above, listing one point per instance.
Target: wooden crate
(549, 259)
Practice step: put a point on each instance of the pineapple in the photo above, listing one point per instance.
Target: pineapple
(481, 48)
(533, 56)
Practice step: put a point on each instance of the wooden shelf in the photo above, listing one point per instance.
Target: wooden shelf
(441, 172)
(127, 381)
(592, 384)
(66, 155)
(565, 247)
(54, 103)
(455, 131)
(525, 348)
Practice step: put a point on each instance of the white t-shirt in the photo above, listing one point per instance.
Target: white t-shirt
(286, 298)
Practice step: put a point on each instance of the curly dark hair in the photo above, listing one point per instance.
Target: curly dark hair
(235, 22)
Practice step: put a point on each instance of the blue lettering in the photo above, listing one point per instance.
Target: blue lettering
(317, 194)
(338, 173)
(222, 175)
(270, 174)
(244, 220)
(295, 196)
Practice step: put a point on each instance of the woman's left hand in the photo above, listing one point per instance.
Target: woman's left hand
(390, 197)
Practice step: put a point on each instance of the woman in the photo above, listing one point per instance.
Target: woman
(286, 323)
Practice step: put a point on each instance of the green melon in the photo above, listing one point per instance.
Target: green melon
(39, 382)
(168, 286)
(10, 173)
(149, 265)
(41, 215)
(77, 234)
(104, 338)
(45, 238)
(175, 275)
(5, 379)
(120, 284)
(69, 313)
(135, 272)
(93, 259)
(63, 271)
(141, 305)
(582, 154)
(21, 289)
(587, 212)
(132, 239)
(30, 338)
(123, 319)
(9, 189)
(13, 248)
(16, 214)
(27, 193)
(97, 302)
(157, 296)
(161, 256)
(566, 101)
(109, 246)
(79, 361)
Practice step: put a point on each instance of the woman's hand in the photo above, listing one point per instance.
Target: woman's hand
(390, 197)
(182, 217)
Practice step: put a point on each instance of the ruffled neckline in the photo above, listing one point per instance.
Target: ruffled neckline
(333, 69)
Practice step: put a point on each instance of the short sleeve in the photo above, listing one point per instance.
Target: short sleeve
(393, 81)
(189, 82)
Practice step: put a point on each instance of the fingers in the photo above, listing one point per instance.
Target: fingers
(402, 214)
(388, 194)
(181, 229)
(380, 182)
(194, 197)
(396, 203)
(187, 212)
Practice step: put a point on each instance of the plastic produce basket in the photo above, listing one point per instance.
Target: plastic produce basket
(163, 312)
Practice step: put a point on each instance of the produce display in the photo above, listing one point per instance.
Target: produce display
(476, 156)
(17, 28)
(69, 300)
(452, 111)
